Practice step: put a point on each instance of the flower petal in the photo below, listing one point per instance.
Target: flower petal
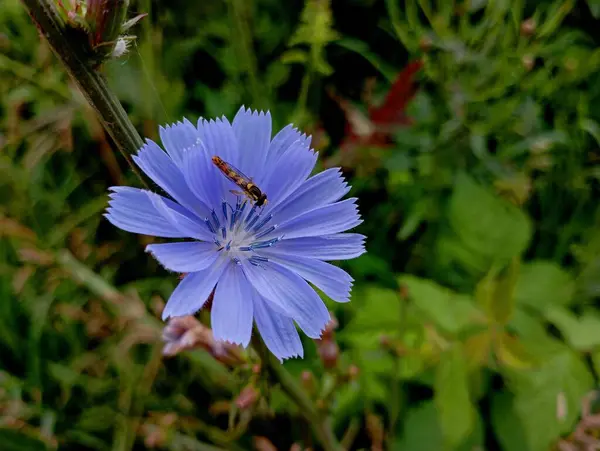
(161, 168)
(179, 138)
(193, 291)
(231, 314)
(191, 227)
(203, 177)
(219, 139)
(189, 256)
(290, 295)
(292, 168)
(341, 246)
(326, 220)
(130, 209)
(253, 133)
(322, 189)
(278, 146)
(333, 281)
(277, 331)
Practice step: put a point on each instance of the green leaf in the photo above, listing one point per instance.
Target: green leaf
(581, 333)
(562, 379)
(450, 311)
(507, 427)
(484, 229)
(379, 310)
(16, 441)
(512, 353)
(594, 6)
(496, 294)
(452, 397)
(542, 285)
(422, 431)
(362, 48)
(294, 56)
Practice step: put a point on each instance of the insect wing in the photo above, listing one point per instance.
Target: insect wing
(241, 177)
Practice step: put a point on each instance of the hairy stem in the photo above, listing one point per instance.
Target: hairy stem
(319, 422)
(71, 47)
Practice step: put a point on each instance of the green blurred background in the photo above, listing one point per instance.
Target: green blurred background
(470, 131)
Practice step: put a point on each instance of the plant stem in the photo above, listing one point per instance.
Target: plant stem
(320, 423)
(71, 47)
(239, 16)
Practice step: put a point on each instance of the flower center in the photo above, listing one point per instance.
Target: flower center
(240, 231)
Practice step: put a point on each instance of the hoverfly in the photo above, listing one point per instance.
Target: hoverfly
(249, 189)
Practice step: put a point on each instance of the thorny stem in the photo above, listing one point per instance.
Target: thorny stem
(319, 422)
(69, 45)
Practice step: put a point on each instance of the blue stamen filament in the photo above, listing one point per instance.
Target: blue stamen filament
(224, 207)
(251, 223)
(209, 225)
(261, 224)
(252, 211)
(265, 232)
(216, 219)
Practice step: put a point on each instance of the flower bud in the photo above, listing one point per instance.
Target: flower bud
(247, 397)
(528, 27)
(329, 353)
(105, 18)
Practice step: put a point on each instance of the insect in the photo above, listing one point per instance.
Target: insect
(249, 189)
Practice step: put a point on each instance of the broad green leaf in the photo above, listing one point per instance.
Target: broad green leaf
(582, 333)
(496, 293)
(450, 311)
(484, 229)
(563, 378)
(17, 441)
(421, 431)
(379, 311)
(542, 285)
(507, 427)
(594, 6)
(478, 349)
(511, 352)
(452, 399)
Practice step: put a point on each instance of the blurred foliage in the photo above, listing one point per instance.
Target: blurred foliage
(474, 322)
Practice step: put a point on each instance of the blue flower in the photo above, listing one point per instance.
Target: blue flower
(258, 258)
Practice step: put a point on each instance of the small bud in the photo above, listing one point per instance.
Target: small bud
(263, 444)
(330, 328)
(308, 381)
(425, 44)
(186, 332)
(256, 368)
(353, 372)
(571, 64)
(105, 19)
(385, 341)
(404, 292)
(329, 353)
(247, 397)
(528, 62)
(528, 27)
